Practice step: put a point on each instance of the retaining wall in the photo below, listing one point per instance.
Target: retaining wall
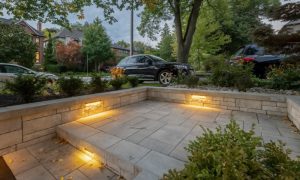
(27, 124)
(24, 125)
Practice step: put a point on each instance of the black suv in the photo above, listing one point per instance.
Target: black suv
(149, 67)
(259, 56)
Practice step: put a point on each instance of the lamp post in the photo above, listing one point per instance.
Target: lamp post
(131, 31)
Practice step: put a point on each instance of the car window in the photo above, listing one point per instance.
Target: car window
(157, 59)
(124, 61)
(239, 52)
(2, 69)
(251, 51)
(15, 69)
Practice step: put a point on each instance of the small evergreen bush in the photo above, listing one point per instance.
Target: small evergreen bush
(118, 82)
(239, 76)
(285, 77)
(191, 81)
(70, 86)
(133, 81)
(26, 86)
(98, 84)
(232, 153)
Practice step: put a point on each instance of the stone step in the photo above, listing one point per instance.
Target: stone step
(128, 159)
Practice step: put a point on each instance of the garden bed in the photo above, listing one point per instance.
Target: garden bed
(250, 90)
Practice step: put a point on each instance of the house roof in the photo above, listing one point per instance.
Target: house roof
(116, 46)
(73, 33)
(291, 23)
(11, 21)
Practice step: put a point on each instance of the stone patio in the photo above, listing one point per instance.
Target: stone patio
(56, 159)
(152, 135)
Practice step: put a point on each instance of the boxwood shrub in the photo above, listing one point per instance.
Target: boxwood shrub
(232, 153)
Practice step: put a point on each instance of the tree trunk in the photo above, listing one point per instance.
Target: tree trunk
(185, 41)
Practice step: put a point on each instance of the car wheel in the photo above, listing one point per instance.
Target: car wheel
(165, 77)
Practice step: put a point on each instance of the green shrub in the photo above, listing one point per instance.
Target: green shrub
(70, 86)
(239, 76)
(98, 84)
(133, 81)
(191, 81)
(285, 77)
(232, 153)
(118, 82)
(26, 86)
(265, 83)
(209, 63)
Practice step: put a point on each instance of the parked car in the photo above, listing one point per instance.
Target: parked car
(150, 67)
(259, 56)
(10, 71)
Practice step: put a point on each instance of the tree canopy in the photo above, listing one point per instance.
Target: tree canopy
(285, 41)
(165, 45)
(16, 45)
(96, 43)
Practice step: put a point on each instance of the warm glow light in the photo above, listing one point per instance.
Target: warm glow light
(98, 116)
(201, 107)
(86, 155)
(93, 105)
(196, 97)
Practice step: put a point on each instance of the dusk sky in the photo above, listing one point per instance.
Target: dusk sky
(120, 30)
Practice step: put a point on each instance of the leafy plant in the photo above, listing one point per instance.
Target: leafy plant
(239, 76)
(285, 77)
(232, 153)
(191, 81)
(117, 83)
(98, 84)
(133, 81)
(26, 86)
(70, 86)
(117, 72)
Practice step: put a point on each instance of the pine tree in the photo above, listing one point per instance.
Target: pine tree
(284, 42)
(49, 53)
(165, 45)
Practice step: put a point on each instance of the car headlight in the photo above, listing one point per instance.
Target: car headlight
(181, 66)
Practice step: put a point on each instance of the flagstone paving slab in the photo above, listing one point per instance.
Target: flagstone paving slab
(151, 135)
(53, 160)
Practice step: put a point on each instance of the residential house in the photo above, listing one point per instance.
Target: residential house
(36, 34)
(76, 34)
(291, 27)
(66, 35)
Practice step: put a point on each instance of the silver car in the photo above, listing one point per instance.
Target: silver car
(10, 71)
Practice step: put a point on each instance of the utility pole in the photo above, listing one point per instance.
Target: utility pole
(131, 31)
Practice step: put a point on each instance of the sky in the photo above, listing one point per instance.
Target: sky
(121, 30)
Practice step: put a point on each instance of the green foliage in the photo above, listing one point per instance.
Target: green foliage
(191, 81)
(239, 76)
(210, 62)
(165, 45)
(286, 41)
(96, 43)
(49, 58)
(56, 12)
(133, 81)
(232, 153)
(98, 84)
(285, 77)
(265, 83)
(209, 37)
(70, 86)
(123, 44)
(26, 86)
(16, 45)
(118, 82)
